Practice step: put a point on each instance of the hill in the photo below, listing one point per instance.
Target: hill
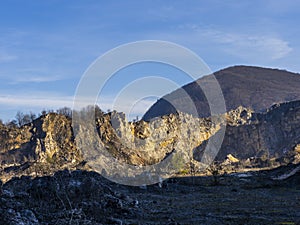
(251, 87)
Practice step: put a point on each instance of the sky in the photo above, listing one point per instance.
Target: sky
(46, 46)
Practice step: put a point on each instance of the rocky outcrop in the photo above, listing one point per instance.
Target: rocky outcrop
(145, 143)
(253, 139)
(264, 139)
(273, 134)
(48, 139)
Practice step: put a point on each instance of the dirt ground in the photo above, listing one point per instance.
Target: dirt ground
(82, 197)
(197, 200)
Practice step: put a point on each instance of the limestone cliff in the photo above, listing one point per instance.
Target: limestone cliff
(270, 135)
(150, 142)
(50, 140)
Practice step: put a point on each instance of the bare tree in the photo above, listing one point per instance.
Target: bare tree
(44, 112)
(11, 124)
(32, 116)
(23, 119)
(19, 118)
(66, 111)
(26, 119)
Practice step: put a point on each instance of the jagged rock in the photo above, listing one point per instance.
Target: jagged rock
(150, 142)
(256, 139)
(232, 159)
(239, 116)
(273, 134)
(47, 140)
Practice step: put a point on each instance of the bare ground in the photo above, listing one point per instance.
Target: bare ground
(82, 197)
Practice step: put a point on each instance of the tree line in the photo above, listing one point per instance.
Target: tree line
(21, 118)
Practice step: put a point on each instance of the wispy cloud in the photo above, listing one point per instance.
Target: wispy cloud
(4, 57)
(35, 79)
(37, 100)
(47, 43)
(31, 75)
(246, 46)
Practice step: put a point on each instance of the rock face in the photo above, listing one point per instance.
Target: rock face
(144, 143)
(274, 134)
(48, 139)
(252, 138)
(264, 138)
(251, 87)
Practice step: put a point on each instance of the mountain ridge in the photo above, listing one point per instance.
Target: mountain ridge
(248, 86)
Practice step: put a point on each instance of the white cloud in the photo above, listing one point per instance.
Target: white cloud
(35, 79)
(264, 47)
(256, 46)
(36, 100)
(30, 75)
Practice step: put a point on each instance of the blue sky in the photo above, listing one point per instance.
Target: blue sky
(46, 46)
